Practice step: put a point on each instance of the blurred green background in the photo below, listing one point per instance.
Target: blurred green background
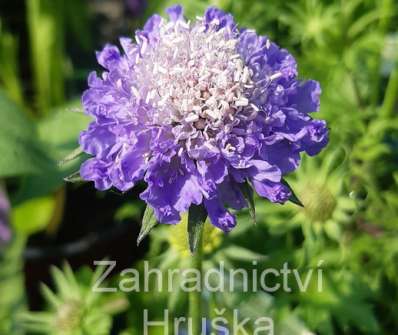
(350, 192)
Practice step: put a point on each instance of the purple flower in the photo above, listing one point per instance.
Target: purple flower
(5, 233)
(194, 109)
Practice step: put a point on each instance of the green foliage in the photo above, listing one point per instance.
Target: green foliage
(12, 294)
(33, 215)
(57, 135)
(46, 23)
(247, 192)
(9, 75)
(20, 150)
(149, 221)
(197, 216)
(74, 308)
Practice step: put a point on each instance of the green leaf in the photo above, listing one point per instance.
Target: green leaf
(176, 296)
(148, 222)
(9, 64)
(50, 296)
(129, 211)
(60, 131)
(58, 135)
(20, 151)
(45, 23)
(247, 192)
(196, 218)
(33, 215)
(293, 198)
(74, 178)
(77, 16)
(72, 156)
(242, 254)
(12, 288)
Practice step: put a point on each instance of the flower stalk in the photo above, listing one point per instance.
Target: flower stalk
(195, 297)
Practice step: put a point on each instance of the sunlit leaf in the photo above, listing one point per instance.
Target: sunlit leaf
(149, 221)
(33, 215)
(293, 198)
(196, 218)
(247, 192)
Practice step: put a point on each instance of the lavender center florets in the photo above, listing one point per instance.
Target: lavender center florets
(194, 77)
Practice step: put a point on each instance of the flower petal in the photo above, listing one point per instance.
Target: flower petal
(218, 215)
(175, 13)
(171, 189)
(97, 171)
(275, 192)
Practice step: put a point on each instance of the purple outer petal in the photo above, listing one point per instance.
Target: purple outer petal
(220, 19)
(213, 172)
(171, 189)
(175, 13)
(317, 137)
(307, 97)
(284, 154)
(275, 192)
(98, 172)
(218, 215)
(230, 194)
(97, 140)
(109, 56)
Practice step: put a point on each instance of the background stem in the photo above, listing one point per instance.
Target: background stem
(386, 9)
(391, 95)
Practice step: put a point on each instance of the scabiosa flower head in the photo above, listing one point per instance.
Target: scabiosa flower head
(195, 109)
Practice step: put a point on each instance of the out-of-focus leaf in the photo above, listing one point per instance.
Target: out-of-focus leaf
(60, 131)
(33, 215)
(176, 296)
(46, 36)
(88, 312)
(242, 254)
(72, 156)
(345, 297)
(58, 135)
(74, 178)
(191, 8)
(12, 295)
(79, 21)
(333, 230)
(128, 211)
(292, 325)
(9, 74)
(20, 152)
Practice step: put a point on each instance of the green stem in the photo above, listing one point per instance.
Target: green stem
(195, 297)
(386, 8)
(391, 95)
